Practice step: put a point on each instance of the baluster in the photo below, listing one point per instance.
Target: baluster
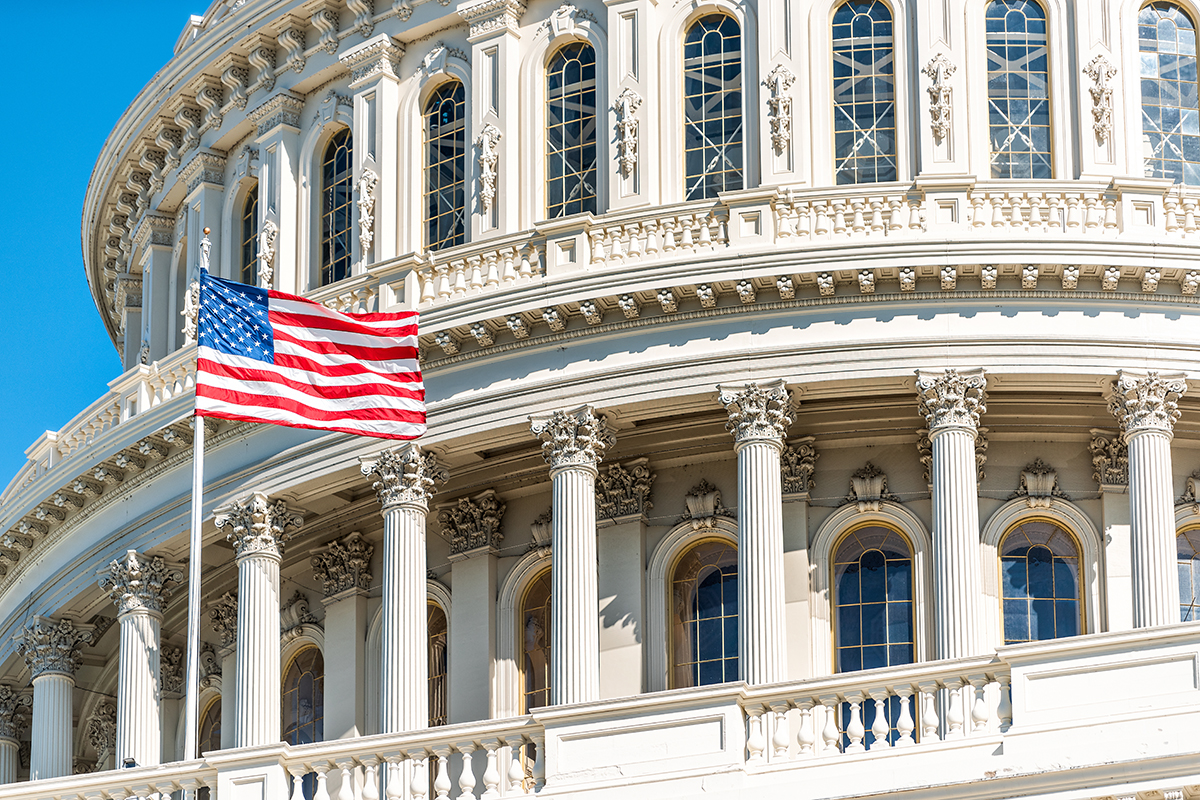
(597, 238)
(976, 200)
(491, 773)
(635, 240)
(904, 722)
(1189, 215)
(441, 784)
(516, 770)
(830, 737)
(1172, 221)
(806, 736)
(466, 779)
(1004, 707)
(393, 778)
(686, 241)
(954, 709)
(1055, 219)
(929, 715)
(1090, 220)
(997, 201)
(473, 263)
(441, 282)
(803, 220)
(780, 738)
(722, 226)
(1074, 212)
(822, 227)
(346, 785)
(855, 732)
(755, 741)
(370, 788)
(539, 761)
(460, 277)
(895, 209)
(1035, 213)
(879, 726)
(1016, 214)
(537, 259)
(493, 271)
(705, 231)
(525, 270)
(651, 238)
(616, 249)
(857, 224)
(876, 216)
(322, 792)
(915, 214)
(297, 772)
(428, 289)
(1110, 214)
(783, 221)
(979, 709)
(839, 217)
(669, 238)
(508, 273)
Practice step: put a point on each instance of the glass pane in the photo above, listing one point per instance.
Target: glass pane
(1018, 89)
(1039, 569)
(863, 88)
(712, 107)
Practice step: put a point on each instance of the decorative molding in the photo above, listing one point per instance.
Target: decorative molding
(623, 490)
(102, 732)
(798, 464)
(702, 506)
(1110, 458)
(492, 16)
(139, 583)
(210, 667)
(280, 109)
(328, 110)
(404, 476)
(757, 412)
(294, 615)
(344, 564)
(564, 20)
(12, 712)
(1147, 401)
(258, 525)
(52, 647)
(236, 77)
(573, 438)
(473, 524)
(434, 62)
(869, 489)
(489, 157)
(626, 106)
(154, 229)
(210, 96)
(1039, 485)
(366, 208)
(170, 669)
(205, 167)
(223, 614)
(379, 56)
(364, 16)
(1101, 72)
(266, 254)
(291, 38)
(541, 532)
(779, 106)
(1191, 495)
(952, 398)
(939, 69)
(327, 23)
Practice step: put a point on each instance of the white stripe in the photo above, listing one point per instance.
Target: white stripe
(344, 337)
(317, 310)
(394, 427)
(270, 390)
(340, 359)
(305, 376)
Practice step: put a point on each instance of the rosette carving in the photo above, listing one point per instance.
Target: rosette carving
(473, 523)
(1146, 402)
(757, 412)
(12, 717)
(576, 438)
(624, 490)
(258, 525)
(404, 476)
(48, 646)
(140, 584)
(952, 398)
(344, 564)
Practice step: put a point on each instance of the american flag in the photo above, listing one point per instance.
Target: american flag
(266, 356)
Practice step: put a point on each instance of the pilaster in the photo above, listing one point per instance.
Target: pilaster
(278, 121)
(51, 651)
(632, 180)
(798, 463)
(223, 614)
(204, 179)
(343, 567)
(472, 653)
(1110, 459)
(155, 238)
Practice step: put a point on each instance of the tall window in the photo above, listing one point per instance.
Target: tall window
(1039, 569)
(571, 131)
(535, 637)
(1170, 105)
(438, 710)
(1018, 89)
(1188, 544)
(704, 632)
(210, 727)
(712, 107)
(445, 166)
(873, 612)
(249, 272)
(864, 104)
(336, 207)
(304, 698)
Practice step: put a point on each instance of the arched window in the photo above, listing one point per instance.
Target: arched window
(704, 617)
(712, 107)
(535, 647)
(873, 611)
(1039, 577)
(304, 698)
(1170, 105)
(336, 207)
(571, 131)
(864, 93)
(210, 727)
(438, 710)
(249, 254)
(1188, 545)
(1018, 89)
(445, 166)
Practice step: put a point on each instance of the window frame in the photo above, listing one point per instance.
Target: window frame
(699, 540)
(426, 97)
(1080, 589)
(1136, 135)
(598, 123)
(831, 565)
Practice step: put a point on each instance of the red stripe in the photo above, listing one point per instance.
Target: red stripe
(314, 414)
(326, 392)
(315, 322)
(336, 428)
(373, 316)
(339, 370)
(353, 350)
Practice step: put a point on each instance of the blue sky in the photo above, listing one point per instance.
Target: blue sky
(57, 357)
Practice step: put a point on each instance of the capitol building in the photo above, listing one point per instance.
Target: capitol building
(813, 394)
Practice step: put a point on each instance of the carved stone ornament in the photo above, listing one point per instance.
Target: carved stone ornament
(1146, 402)
(565, 19)
(541, 531)
(489, 156)
(170, 669)
(925, 453)
(191, 308)
(48, 646)
(294, 615)
(434, 61)
(210, 666)
(626, 106)
(344, 564)
(798, 463)
(779, 106)
(757, 412)
(139, 583)
(223, 614)
(366, 210)
(281, 109)
(377, 56)
(575, 438)
(102, 732)
(12, 717)
(1190, 494)
(869, 489)
(1101, 72)
(258, 525)
(473, 524)
(624, 490)
(404, 476)
(703, 506)
(1039, 485)
(492, 16)
(266, 254)
(952, 398)
(1110, 459)
(939, 69)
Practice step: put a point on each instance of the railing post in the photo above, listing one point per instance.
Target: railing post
(929, 716)
(1004, 705)
(755, 740)
(806, 736)
(370, 790)
(880, 728)
(491, 773)
(855, 732)
(979, 709)
(466, 778)
(780, 735)
(904, 721)
(441, 784)
(516, 770)
(829, 732)
(955, 718)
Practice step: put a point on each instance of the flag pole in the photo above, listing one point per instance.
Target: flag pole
(192, 688)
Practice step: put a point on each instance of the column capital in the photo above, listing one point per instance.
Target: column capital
(1146, 401)
(1110, 459)
(624, 489)
(344, 564)
(258, 525)
(12, 721)
(223, 613)
(573, 438)
(377, 56)
(473, 524)
(139, 583)
(404, 476)
(757, 411)
(951, 399)
(52, 647)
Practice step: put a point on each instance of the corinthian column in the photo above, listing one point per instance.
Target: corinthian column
(573, 443)
(11, 723)
(759, 417)
(1147, 407)
(951, 403)
(258, 530)
(51, 651)
(138, 587)
(404, 480)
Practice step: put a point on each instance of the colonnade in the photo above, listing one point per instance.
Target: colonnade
(574, 443)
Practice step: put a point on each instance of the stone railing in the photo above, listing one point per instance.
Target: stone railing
(491, 265)
(811, 215)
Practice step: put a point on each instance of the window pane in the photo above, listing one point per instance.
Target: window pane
(1018, 89)
(336, 213)
(704, 631)
(1170, 141)
(1188, 546)
(571, 131)
(249, 265)
(1039, 569)
(873, 610)
(445, 166)
(712, 107)
(863, 93)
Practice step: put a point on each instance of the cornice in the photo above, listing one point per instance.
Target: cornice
(206, 167)
(154, 229)
(378, 56)
(280, 109)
